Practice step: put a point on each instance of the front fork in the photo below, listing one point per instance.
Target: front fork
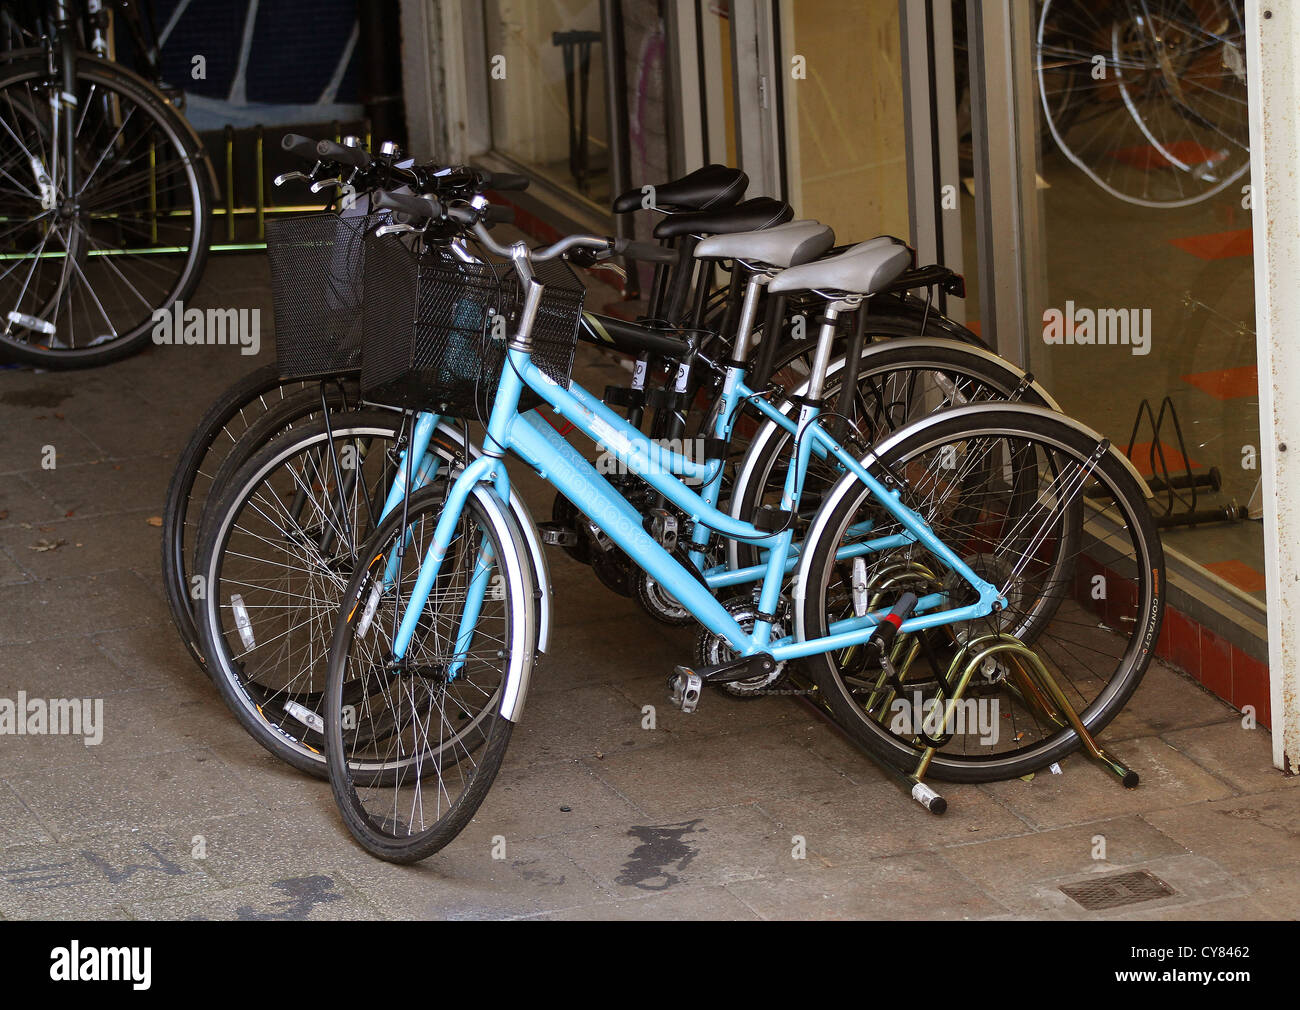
(65, 101)
(487, 467)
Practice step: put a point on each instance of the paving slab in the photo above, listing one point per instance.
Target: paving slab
(702, 904)
(21, 503)
(1019, 871)
(1248, 833)
(19, 825)
(531, 801)
(1084, 791)
(707, 848)
(717, 771)
(1241, 757)
(70, 548)
(870, 819)
(1165, 701)
(75, 606)
(320, 897)
(479, 882)
(913, 886)
(100, 871)
(132, 793)
(101, 488)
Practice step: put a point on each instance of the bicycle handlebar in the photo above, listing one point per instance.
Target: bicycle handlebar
(303, 147)
(421, 207)
(355, 157)
(475, 219)
(503, 182)
(647, 252)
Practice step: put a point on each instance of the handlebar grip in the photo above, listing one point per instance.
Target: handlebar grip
(420, 207)
(504, 181)
(357, 157)
(887, 629)
(499, 214)
(647, 252)
(296, 143)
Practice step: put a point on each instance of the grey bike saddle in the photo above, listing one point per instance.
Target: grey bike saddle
(864, 269)
(786, 245)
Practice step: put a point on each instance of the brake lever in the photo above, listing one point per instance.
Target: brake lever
(284, 177)
(462, 253)
(395, 229)
(612, 267)
(316, 187)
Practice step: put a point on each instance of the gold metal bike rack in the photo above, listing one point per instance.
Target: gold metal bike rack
(1034, 684)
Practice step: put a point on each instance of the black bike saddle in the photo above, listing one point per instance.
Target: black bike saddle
(710, 187)
(760, 212)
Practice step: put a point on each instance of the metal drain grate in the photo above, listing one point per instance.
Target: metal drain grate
(1117, 889)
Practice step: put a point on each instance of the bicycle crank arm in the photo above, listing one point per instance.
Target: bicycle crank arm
(686, 684)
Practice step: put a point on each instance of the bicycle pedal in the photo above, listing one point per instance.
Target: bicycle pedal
(556, 534)
(686, 687)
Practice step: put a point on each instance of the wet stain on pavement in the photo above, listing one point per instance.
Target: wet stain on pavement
(663, 848)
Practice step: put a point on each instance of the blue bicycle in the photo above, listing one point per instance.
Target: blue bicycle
(974, 598)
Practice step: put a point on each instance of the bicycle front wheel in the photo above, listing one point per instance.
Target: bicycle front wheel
(258, 405)
(413, 744)
(91, 247)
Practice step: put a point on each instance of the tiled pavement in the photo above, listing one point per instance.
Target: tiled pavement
(177, 814)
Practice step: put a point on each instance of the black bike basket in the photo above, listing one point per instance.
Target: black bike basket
(436, 328)
(316, 286)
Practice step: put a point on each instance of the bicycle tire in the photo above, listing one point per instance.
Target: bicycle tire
(258, 391)
(983, 421)
(109, 79)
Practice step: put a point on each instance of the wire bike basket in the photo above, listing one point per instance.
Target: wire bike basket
(317, 275)
(436, 328)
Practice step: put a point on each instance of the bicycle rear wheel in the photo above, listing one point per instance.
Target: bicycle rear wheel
(1075, 554)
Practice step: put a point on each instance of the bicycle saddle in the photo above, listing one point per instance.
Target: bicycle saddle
(760, 212)
(865, 269)
(706, 188)
(786, 245)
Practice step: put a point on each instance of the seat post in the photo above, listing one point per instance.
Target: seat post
(679, 287)
(825, 340)
(748, 313)
(761, 373)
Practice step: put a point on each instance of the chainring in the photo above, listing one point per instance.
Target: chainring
(711, 649)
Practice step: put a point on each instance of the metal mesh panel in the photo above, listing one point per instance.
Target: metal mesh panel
(316, 286)
(432, 336)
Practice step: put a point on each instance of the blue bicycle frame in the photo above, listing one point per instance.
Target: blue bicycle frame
(548, 453)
